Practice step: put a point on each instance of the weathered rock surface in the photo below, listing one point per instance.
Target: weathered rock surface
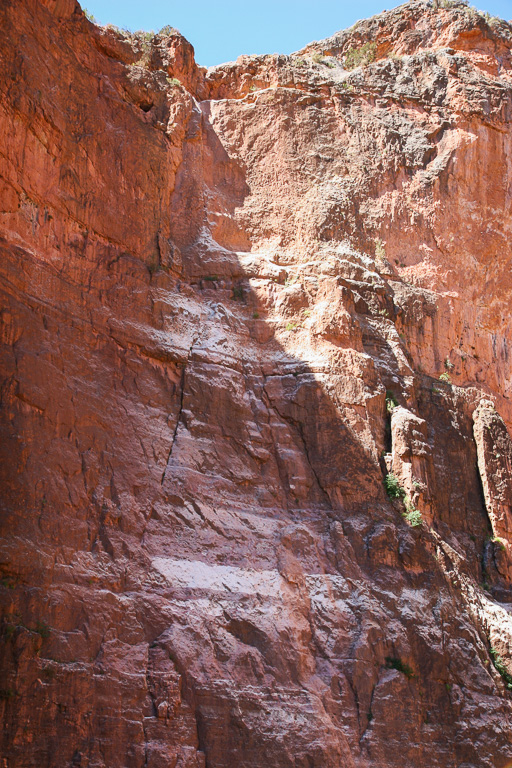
(227, 299)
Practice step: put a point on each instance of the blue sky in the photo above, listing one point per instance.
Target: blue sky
(220, 30)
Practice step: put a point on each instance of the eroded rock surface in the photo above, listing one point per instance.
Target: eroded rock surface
(227, 299)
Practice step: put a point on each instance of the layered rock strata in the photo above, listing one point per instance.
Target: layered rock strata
(228, 297)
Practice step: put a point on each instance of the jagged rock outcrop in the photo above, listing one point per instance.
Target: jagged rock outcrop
(494, 451)
(227, 299)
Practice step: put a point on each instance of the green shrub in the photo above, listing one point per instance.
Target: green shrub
(8, 631)
(319, 59)
(413, 518)
(445, 377)
(167, 31)
(380, 251)
(357, 57)
(393, 488)
(500, 667)
(145, 36)
(88, 15)
(291, 326)
(494, 21)
(452, 3)
(412, 515)
(144, 39)
(392, 662)
(42, 629)
(391, 401)
(174, 81)
(6, 693)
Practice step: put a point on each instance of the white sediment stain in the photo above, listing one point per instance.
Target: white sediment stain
(196, 574)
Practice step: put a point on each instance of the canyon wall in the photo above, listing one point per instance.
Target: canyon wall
(234, 302)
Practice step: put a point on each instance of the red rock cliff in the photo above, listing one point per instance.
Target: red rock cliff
(228, 297)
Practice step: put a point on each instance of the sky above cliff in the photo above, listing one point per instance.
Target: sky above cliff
(220, 31)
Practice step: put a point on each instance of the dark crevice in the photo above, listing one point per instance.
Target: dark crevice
(178, 421)
(180, 411)
(299, 428)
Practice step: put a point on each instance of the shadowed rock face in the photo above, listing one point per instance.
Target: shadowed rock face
(226, 305)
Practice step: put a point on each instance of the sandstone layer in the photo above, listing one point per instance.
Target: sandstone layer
(227, 299)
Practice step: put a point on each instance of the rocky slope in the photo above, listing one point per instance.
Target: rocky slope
(228, 297)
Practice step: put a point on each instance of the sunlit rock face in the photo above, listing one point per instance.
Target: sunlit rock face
(238, 305)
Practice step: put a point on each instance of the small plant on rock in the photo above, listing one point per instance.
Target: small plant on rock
(393, 662)
(88, 15)
(380, 251)
(145, 36)
(445, 377)
(144, 39)
(393, 488)
(452, 3)
(6, 694)
(8, 631)
(499, 666)
(319, 59)
(413, 516)
(42, 629)
(391, 401)
(167, 31)
(357, 57)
